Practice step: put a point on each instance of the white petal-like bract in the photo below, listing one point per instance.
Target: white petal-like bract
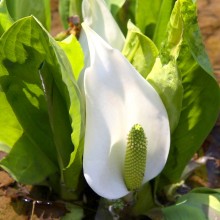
(98, 17)
(118, 97)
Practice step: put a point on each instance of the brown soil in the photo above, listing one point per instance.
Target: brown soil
(56, 26)
(209, 21)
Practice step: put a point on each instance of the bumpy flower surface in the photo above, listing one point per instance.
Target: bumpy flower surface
(135, 158)
(118, 97)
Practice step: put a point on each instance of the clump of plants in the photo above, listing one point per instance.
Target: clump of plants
(116, 105)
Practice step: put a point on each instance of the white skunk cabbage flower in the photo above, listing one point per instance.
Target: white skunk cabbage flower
(122, 111)
(98, 17)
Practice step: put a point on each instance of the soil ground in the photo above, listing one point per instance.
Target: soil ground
(209, 21)
(13, 207)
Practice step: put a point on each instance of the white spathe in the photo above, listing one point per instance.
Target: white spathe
(117, 97)
(98, 17)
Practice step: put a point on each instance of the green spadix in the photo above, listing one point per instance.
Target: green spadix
(135, 158)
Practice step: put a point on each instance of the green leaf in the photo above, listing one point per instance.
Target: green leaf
(64, 12)
(165, 77)
(27, 162)
(68, 8)
(200, 108)
(5, 19)
(162, 21)
(124, 14)
(22, 8)
(139, 50)
(201, 100)
(151, 17)
(75, 213)
(147, 21)
(73, 50)
(114, 5)
(10, 130)
(202, 203)
(22, 96)
(193, 36)
(45, 104)
(135, 10)
(173, 36)
(167, 82)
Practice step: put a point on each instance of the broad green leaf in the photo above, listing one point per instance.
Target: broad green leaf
(200, 109)
(68, 8)
(10, 130)
(76, 8)
(22, 96)
(139, 50)
(135, 10)
(39, 89)
(201, 203)
(58, 114)
(193, 36)
(167, 82)
(201, 99)
(114, 5)
(74, 53)
(70, 161)
(146, 15)
(162, 21)
(64, 12)
(27, 162)
(150, 16)
(124, 14)
(74, 167)
(5, 19)
(165, 77)
(171, 44)
(22, 8)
